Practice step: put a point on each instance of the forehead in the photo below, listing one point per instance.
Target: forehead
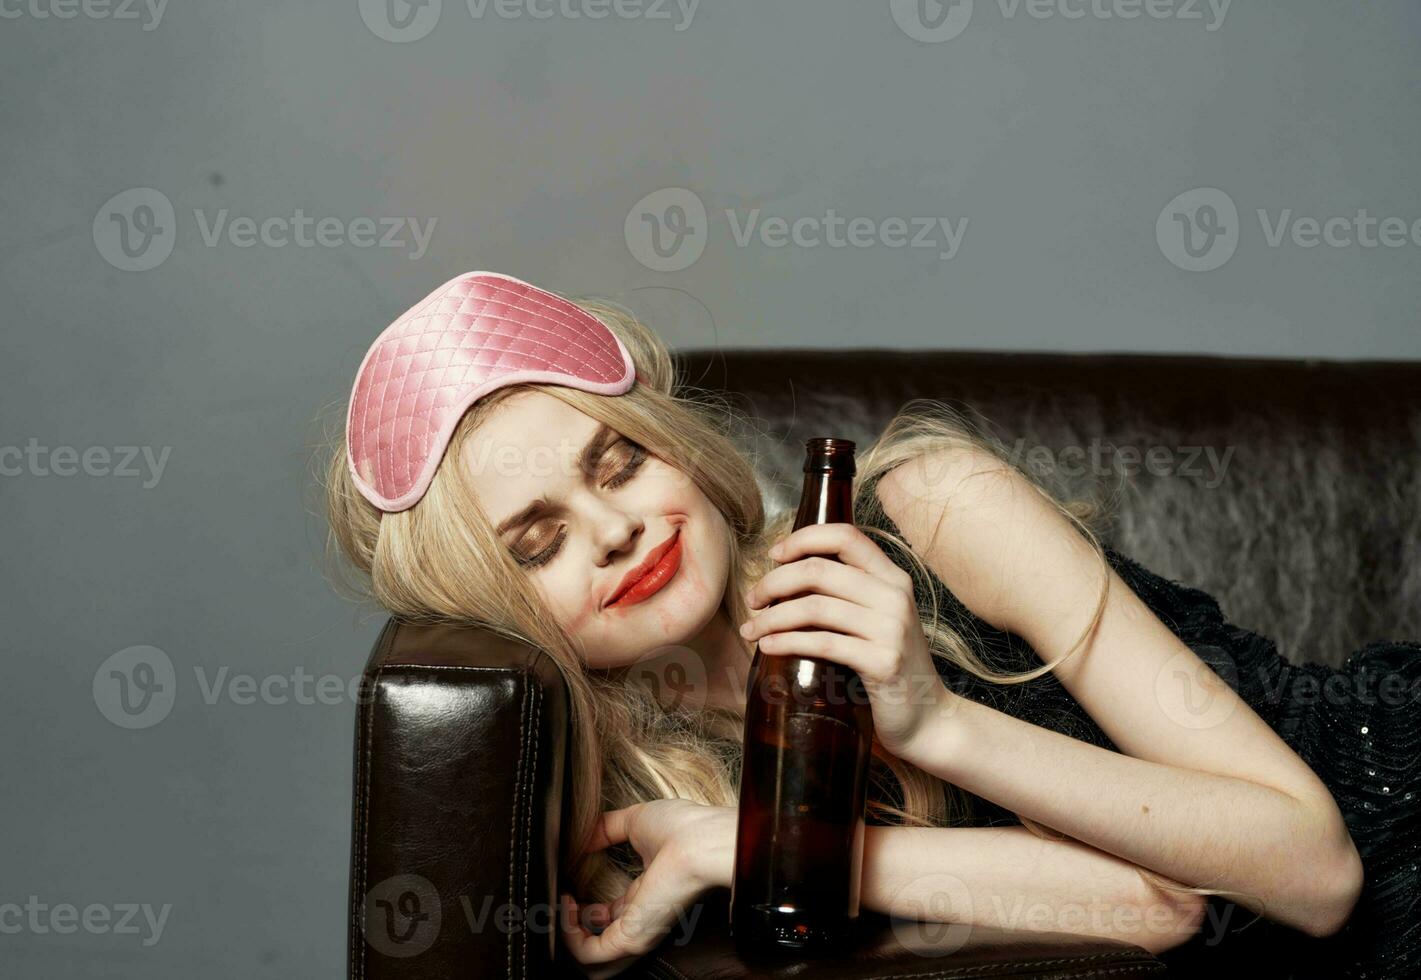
(527, 446)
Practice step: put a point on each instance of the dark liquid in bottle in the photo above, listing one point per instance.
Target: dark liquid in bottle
(808, 741)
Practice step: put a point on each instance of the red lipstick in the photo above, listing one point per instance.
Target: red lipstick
(651, 575)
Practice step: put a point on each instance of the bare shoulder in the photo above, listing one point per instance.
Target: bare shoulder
(997, 541)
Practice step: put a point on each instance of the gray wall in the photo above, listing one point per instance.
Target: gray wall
(537, 147)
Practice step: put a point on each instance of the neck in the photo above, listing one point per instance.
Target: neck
(726, 656)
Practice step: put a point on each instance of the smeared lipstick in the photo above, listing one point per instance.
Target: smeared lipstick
(648, 579)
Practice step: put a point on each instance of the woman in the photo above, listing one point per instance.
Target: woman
(1104, 754)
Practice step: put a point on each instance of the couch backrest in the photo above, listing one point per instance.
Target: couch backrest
(1290, 490)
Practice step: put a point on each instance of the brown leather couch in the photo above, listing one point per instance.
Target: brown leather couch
(1308, 502)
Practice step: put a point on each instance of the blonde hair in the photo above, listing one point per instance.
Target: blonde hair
(440, 561)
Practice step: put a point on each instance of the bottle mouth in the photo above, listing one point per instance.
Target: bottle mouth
(828, 444)
(826, 454)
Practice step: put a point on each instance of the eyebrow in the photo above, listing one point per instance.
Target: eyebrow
(586, 462)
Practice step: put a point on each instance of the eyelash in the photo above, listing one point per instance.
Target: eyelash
(628, 471)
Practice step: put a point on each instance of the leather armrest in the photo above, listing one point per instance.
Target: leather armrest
(460, 749)
(459, 766)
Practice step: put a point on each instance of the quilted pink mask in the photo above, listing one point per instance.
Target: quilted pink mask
(476, 333)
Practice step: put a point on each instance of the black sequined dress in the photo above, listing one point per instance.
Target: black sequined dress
(1363, 739)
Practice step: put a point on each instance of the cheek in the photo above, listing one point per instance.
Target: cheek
(572, 603)
(581, 615)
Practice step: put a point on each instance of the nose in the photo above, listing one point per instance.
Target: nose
(615, 530)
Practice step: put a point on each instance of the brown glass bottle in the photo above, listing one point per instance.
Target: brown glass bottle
(804, 771)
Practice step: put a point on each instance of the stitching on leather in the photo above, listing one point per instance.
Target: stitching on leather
(513, 819)
(1025, 964)
(671, 969)
(528, 810)
(369, 724)
(352, 950)
(970, 970)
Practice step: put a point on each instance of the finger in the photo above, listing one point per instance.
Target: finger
(846, 542)
(634, 933)
(598, 914)
(823, 611)
(870, 662)
(613, 827)
(815, 573)
(577, 934)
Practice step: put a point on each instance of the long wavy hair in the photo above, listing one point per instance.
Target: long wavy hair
(440, 561)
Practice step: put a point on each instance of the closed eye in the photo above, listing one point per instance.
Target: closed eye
(634, 461)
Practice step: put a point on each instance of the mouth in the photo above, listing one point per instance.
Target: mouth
(651, 575)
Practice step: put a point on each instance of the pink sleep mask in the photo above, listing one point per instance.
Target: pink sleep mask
(476, 333)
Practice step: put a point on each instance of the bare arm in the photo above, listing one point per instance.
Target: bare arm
(1009, 878)
(1224, 803)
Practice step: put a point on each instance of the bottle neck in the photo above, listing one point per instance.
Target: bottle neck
(827, 498)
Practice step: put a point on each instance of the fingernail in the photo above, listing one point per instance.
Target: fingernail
(745, 629)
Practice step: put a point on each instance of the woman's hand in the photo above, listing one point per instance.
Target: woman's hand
(859, 612)
(685, 848)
